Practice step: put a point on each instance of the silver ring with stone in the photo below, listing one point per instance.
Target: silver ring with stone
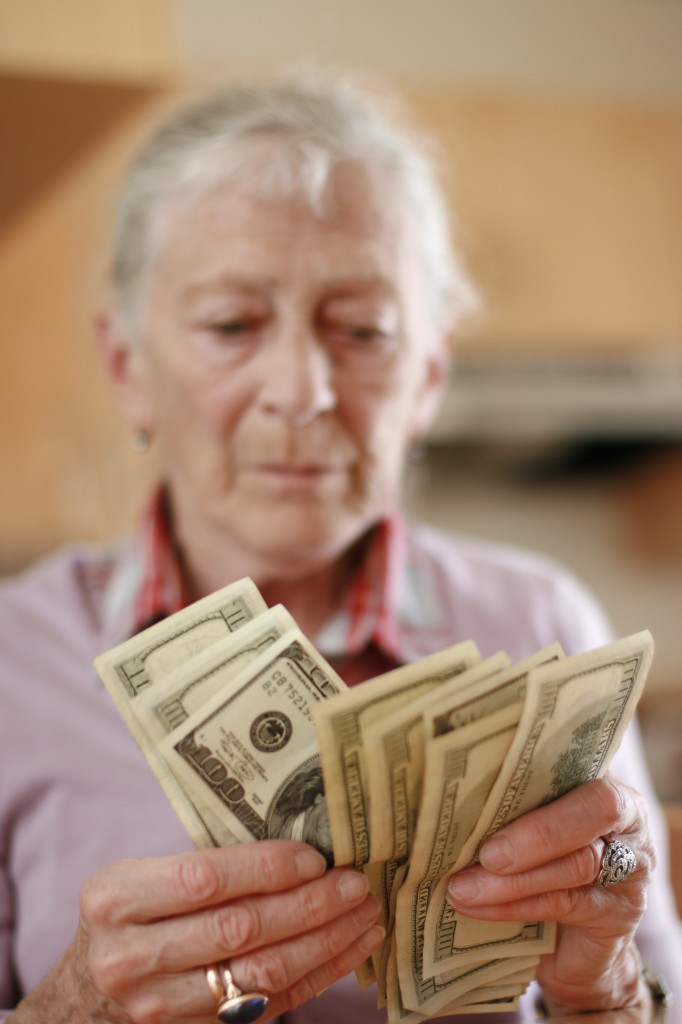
(617, 864)
(234, 1006)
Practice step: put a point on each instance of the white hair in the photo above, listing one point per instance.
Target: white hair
(310, 124)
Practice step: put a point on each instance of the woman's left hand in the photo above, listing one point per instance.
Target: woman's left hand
(545, 866)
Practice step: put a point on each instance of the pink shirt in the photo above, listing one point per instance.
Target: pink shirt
(76, 792)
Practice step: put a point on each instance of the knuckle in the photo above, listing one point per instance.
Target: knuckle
(592, 858)
(566, 902)
(301, 992)
(312, 906)
(639, 900)
(646, 853)
(112, 974)
(651, 855)
(269, 971)
(573, 900)
(93, 909)
(198, 879)
(614, 799)
(150, 1008)
(515, 886)
(643, 845)
(268, 869)
(235, 927)
(97, 902)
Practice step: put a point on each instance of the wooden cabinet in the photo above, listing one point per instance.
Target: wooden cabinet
(129, 39)
(80, 82)
(570, 212)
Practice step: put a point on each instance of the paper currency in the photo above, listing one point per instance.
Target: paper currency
(395, 775)
(395, 772)
(405, 776)
(194, 682)
(140, 665)
(574, 717)
(250, 753)
(398, 743)
(162, 708)
(132, 667)
(461, 767)
(340, 727)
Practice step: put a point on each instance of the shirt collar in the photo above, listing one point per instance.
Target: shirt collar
(390, 602)
(162, 589)
(368, 614)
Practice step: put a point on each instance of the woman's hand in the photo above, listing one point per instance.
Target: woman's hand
(544, 866)
(148, 928)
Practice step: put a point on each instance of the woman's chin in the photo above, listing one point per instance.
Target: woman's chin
(297, 539)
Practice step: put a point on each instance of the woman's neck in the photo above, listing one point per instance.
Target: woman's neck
(310, 591)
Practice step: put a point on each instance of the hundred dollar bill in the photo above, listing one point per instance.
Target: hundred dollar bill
(139, 666)
(461, 768)
(479, 691)
(134, 666)
(394, 786)
(494, 996)
(395, 771)
(471, 978)
(340, 727)
(484, 695)
(575, 714)
(502, 994)
(163, 708)
(251, 752)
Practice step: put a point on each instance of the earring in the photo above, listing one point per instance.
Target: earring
(140, 441)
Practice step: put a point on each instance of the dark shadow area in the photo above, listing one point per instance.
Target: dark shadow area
(589, 459)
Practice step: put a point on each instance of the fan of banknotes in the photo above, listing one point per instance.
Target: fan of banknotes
(252, 735)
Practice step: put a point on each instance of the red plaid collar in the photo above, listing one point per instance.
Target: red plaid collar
(367, 614)
(163, 588)
(369, 611)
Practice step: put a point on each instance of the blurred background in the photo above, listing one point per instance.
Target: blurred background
(561, 127)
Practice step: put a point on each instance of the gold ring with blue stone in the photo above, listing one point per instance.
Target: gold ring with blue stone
(234, 1006)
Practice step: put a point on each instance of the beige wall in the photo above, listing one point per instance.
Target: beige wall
(598, 48)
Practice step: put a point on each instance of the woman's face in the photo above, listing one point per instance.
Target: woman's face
(286, 363)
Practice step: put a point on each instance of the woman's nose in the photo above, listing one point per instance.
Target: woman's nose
(297, 383)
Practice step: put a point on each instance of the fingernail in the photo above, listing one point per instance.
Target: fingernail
(310, 864)
(464, 888)
(373, 938)
(351, 886)
(497, 853)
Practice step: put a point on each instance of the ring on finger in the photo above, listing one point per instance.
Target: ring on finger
(618, 862)
(234, 1006)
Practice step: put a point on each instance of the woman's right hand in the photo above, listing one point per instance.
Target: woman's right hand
(285, 925)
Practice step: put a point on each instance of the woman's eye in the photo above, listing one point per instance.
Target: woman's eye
(233, 327)
(365, 333)
(224, 342)
(360, 333)
(362, 349)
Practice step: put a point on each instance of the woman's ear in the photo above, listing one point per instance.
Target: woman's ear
(124, 364)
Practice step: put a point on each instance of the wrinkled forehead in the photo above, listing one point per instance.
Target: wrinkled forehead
(267, 166)
(350, 195)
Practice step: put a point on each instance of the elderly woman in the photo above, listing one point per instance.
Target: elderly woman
(285, 297)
